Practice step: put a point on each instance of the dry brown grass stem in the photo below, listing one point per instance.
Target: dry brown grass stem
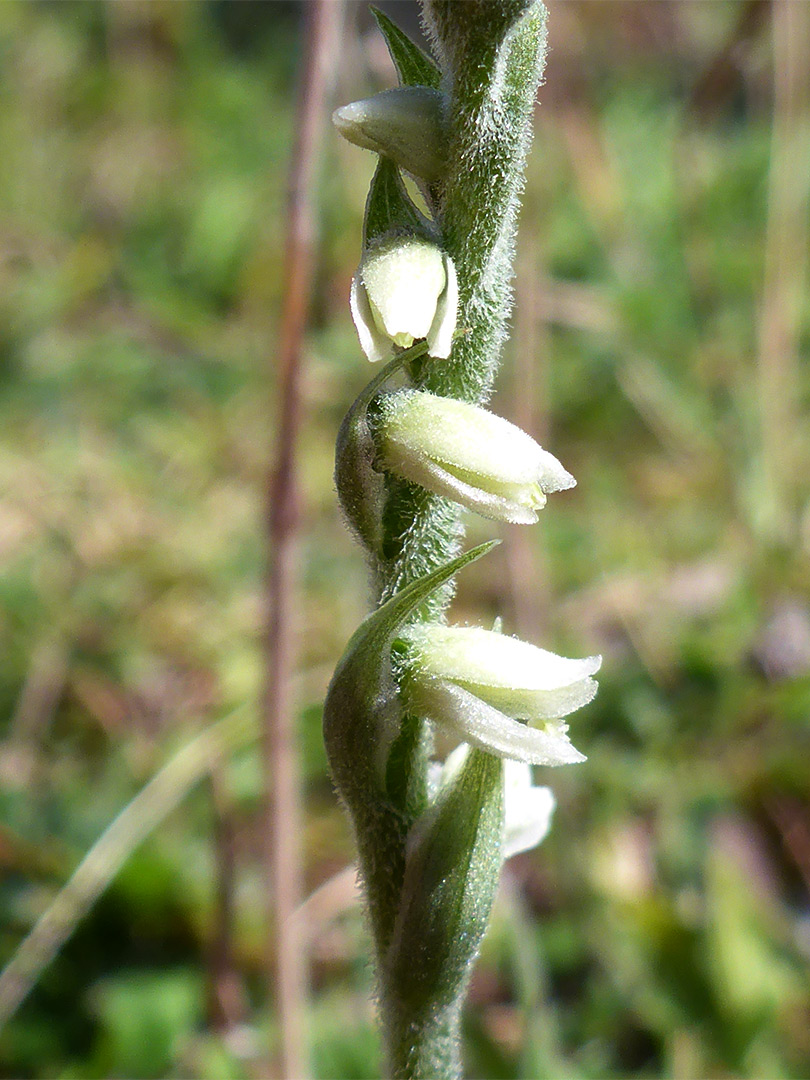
(786, 247)
(286, 957)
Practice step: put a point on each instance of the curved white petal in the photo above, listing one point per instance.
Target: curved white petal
(429, 474)
(404, 280)
(537, 705)
(473, 721)
(440, 335)
(375, 345)
(527, 809)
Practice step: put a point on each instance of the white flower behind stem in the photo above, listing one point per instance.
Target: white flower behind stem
(528, 807)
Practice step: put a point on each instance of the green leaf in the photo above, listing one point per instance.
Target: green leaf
(389, 207)
(413, 66)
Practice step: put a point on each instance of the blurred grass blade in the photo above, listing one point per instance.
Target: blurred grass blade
(145, 812)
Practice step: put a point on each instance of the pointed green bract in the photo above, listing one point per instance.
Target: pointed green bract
(389, 207)
(413, 66)
(451, 876)
(359, 485)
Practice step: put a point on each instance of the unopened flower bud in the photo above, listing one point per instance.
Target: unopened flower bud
(406, 125)
(404, 290)
(467, 453)
(498, 693)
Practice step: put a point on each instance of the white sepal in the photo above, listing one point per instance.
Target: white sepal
(440, 335)
(376, 345)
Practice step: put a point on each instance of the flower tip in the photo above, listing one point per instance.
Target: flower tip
(570, 756)
(343, 116)
(552, 476)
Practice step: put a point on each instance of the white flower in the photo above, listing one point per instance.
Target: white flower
(406, 125)
(527, 807)
(405, 290)
(467, 453)
(498, 693)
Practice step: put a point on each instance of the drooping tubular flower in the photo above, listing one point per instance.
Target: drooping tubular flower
(406, 125)
(497, 692)
(405, 290)
(527, 807)
(467, 453)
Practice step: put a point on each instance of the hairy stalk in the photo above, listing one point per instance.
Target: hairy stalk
(430, 861)
(494, 56)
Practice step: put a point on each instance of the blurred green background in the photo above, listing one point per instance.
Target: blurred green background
(660, 348)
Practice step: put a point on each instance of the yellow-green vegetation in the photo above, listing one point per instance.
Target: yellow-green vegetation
(663, 928)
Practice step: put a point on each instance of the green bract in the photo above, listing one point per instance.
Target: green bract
(527, 808)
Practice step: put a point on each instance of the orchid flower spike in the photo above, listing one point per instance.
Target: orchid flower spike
(467, 453)
(527, 807)
(497, 692)
(404, 290)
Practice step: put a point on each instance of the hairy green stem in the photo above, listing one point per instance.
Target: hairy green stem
(424, 1048)
(430, 869)
(494, 56)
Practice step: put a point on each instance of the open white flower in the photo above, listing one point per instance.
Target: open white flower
(497, 692)
(405, 290)
(467, 453)
(527, 807)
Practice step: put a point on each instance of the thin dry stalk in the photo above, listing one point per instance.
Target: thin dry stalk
(528, 588)
(226, 998)
(786, 246)
(285, 953)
